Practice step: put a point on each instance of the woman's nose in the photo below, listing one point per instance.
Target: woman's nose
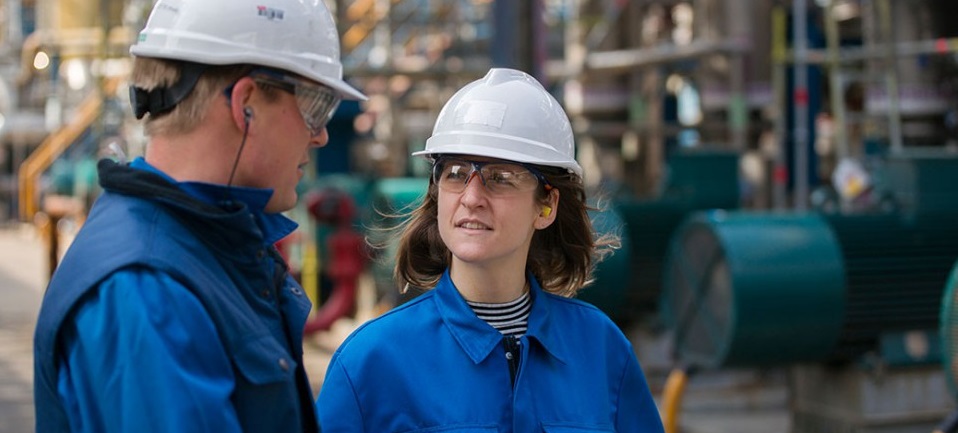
(474, 190)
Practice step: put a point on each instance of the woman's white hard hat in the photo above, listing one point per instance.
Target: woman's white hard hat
(506, 115)
(297, 36)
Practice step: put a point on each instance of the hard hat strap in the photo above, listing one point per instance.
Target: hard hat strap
(163, 99)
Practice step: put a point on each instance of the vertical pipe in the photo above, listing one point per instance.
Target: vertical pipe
(643, 171)
(574, 47)
(835, 83)
(738, 19)
(891, 75)
(504, 37)
(341, 23)
(537, 51)
(653, 89)
(800, 98)
(779, 64)
(14, 23)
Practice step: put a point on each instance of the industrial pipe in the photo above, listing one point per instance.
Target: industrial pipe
(672, 397)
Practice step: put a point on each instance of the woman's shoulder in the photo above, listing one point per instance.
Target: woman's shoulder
(401, 322)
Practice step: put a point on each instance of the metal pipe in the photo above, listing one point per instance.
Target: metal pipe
(779, 88)
(538, 51)
(623, 60)
(14, 37)
(800, 115)
(875, 51)
(891, 76)
(739, 32)
(505, 19)
(835, 82)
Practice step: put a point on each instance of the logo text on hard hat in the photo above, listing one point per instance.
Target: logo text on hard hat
(269, 13)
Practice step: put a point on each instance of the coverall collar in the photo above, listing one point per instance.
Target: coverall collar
(478, 339)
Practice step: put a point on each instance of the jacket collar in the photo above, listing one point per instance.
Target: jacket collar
(216, 199)
(478, 339)
(227, 226)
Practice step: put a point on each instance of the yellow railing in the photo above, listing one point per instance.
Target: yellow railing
(54, 145)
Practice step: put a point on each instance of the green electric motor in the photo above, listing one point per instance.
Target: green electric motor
(753, 289)
(949, 330)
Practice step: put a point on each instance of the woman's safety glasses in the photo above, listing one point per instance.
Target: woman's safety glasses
(499, 178)
(316, 102)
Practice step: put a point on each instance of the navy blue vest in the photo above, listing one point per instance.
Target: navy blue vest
(257, 309)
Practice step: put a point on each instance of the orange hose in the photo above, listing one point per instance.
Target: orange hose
(672, 399)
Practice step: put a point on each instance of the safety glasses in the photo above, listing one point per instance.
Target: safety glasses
(316, 102)
(499, 178)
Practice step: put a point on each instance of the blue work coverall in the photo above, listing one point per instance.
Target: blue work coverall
(432, 365)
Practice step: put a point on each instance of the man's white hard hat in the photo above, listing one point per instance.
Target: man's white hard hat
(297, 36)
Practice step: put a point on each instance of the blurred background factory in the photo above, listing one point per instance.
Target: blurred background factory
(784, 176)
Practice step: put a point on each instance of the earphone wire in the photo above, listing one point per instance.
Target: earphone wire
(239, 153)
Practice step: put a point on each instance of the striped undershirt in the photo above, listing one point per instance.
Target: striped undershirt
(510, 318)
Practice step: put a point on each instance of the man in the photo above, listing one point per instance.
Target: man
(172, 311)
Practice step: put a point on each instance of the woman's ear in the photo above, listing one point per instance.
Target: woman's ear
(548, 211)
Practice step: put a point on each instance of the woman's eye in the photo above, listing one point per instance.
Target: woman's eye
(456, 173)
(504, 177)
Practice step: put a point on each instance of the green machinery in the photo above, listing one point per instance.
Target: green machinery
(629, 283)
(949, 330)
(849, 303)
(745, 288)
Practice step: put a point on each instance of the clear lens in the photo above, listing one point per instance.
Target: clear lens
(316, 102)
(499, 178)
(317, 105)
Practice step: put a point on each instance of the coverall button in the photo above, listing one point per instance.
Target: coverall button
(283, 364)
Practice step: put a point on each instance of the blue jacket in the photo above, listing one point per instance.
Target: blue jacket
(433, 365)
(172, 313)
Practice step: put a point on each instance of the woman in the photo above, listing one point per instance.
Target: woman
(504, 241)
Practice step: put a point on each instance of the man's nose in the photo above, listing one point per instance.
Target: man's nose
(319, 140)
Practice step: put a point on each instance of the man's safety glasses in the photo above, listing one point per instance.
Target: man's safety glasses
(316, 102)
(498, 177)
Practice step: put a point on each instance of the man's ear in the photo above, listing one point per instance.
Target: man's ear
(241, 110)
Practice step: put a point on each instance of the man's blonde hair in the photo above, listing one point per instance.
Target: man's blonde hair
(149, 73)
